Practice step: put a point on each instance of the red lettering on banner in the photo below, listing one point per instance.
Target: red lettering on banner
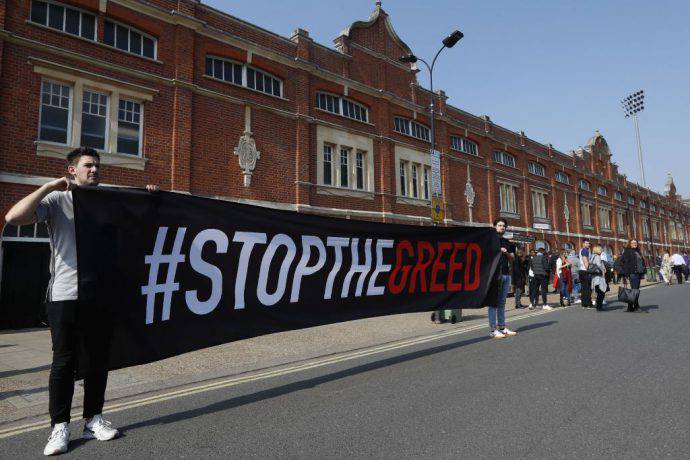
(419, 270)
(433, 285)
(394, 288)
(454, 266)
(473, 264)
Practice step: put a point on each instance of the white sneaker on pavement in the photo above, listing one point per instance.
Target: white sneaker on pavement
(577, 301)
(99, 428)
(507, 332)
(58, 441)
(547, 307)
(496, 334)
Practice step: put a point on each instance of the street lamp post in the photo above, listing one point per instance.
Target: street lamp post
(448, 42)
(633, 104)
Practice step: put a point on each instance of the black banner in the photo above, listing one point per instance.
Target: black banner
(162, 274)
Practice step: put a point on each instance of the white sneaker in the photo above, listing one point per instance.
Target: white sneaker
(496, 334)
(547, 307)
(577, 301)
(507, 332)
(58, 440)
(603, 302)
(531, 306)
(99, 428)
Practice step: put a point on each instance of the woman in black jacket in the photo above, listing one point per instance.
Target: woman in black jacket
(634, 269)
(519, 277)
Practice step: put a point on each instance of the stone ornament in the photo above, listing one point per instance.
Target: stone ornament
(469, 193)
(247, 155)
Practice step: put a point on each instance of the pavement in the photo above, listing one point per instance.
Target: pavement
(25, 358)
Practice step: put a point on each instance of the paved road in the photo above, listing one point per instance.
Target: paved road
(572, 384)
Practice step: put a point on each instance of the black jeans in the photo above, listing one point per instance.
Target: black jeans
(678, 270)
(586, 288)
(600, 298)
(518, 295)
(71, 336)
(538, 283)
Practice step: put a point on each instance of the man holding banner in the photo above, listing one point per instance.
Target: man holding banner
(72, 333)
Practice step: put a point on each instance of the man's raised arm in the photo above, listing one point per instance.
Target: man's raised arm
(24, 211)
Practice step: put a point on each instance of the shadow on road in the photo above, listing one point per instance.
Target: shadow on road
(313, 382)
(30, 370)
(30, 391)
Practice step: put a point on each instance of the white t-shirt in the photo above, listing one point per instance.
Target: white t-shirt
(57, 210)
(677, 259)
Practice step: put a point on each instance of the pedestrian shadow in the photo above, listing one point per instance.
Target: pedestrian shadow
(529, 327)
(648, 308)
(30, 370)
(312, 382)
(9, 394)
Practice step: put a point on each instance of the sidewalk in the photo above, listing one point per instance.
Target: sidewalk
(25, 357)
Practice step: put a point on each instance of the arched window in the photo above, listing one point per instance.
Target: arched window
(568, 247)
(542, 244)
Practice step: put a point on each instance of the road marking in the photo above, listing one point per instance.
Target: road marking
(234, 381)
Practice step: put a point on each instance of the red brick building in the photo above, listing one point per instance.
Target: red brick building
(177, 93)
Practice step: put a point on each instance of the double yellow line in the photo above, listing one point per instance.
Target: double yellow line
(237, 380)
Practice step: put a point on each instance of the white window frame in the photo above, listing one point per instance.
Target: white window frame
(338, 140)
(643, 204)
(536, 169)
(408, 128)
(64, 19)
(631, 201)
(645, 227)
(584, 185)
(405, 159)
(562, 177)
(602, 191)
(141, 124)
(540, 204)
(507, 198)
(586, 211)
(605, 218)
(618, 196)
(245, 80)
(620, 221)
(464, 145)
(70, 111)
(340, 101)
(130, 28)
(504, 158)
(108, 111)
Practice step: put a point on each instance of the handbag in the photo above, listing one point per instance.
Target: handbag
(628, 295)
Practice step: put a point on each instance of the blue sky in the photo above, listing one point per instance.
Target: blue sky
(554, 69)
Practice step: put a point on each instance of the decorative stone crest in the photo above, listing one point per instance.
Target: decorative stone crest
(566, 212)
(469, 189)
(246, 149)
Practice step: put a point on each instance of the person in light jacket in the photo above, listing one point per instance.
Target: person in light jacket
(598, 275)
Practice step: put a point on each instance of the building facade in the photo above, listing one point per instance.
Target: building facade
(177, 93)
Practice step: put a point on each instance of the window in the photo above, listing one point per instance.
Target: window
(55, 112)
(224, 70)
(94, 114)
(562, 177)
(539, 204)
(128, 39)
(64, 19)
(243, 75)
(426, 183)
(643, 204)
(129, 127)
(542, 244)
(605, 218)
(672, 228)
(568, 247)
(344, 167)
(661, 211)
(414, 180)
(617, 196)
(631, 200)
(415, 188)
(601, 190)
(586, 214)
(655, 229)
(464, 145)
(504, 158)
(403, 178)
(327, 164)
(262, 81)
(359, 170)
(645, 227)
(339, 105)
(584, 185)
(507, 199)
(652, 207)
(536, 169)
(620, 221)
(411, 128)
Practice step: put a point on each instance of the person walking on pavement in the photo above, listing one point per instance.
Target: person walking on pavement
(497, 313)
(666, 268)
(530, 274)
(634, 268)
(52, 204)
(564, 279)
(597, 270)
(574, 261)
(678, 264)
(553, 271)
(539, 266)
(585, 278)
(519, 277)
(686, 269)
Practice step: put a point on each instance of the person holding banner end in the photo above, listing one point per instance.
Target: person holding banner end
(497, 314)
(52, 204)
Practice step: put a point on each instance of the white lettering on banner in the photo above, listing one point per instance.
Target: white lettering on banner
(338, 244)
(355, 268)
(207, 269)
(262, 289)
(248, 240)
(154, 261)
(372, 289)
(303, 269)
(311, 245)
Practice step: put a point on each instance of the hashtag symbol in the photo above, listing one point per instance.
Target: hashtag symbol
(154, 261)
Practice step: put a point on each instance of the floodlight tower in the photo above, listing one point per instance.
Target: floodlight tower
(633, 104)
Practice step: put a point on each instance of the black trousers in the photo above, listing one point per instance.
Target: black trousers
(600, 298)
(538, 283)
(586, 288)
(678, 270)
(73, 335)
